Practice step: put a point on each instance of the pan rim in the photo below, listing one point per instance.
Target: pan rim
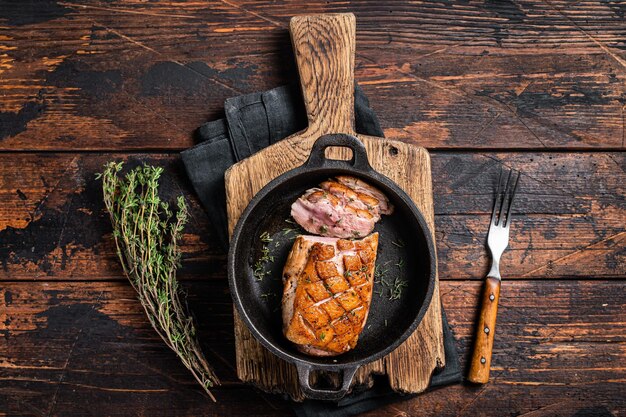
(337, 167)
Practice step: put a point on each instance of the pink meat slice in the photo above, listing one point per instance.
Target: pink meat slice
(321, 213)
(343, 208)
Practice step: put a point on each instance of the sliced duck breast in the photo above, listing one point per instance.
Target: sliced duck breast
(344, 208)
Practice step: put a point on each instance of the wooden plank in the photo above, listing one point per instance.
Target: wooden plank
(134, 75)
(569, 223)
(70, 348)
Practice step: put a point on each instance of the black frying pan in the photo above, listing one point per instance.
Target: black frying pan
(406, 251)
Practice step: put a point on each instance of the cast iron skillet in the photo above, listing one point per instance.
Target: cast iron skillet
(406, 253)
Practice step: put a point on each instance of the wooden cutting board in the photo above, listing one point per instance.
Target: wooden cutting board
(324, 47)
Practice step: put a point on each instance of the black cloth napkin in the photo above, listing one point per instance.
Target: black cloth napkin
(252, 122)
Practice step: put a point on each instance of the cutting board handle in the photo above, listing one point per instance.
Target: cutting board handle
(324, 47)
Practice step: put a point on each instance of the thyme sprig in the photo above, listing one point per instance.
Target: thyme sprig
(389, 287)
(146, 234)
(258, 270)
(296, 229)
(399, 243)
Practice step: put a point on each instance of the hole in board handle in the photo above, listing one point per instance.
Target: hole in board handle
(338, 153)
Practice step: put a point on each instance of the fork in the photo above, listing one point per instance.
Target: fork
(497, 242)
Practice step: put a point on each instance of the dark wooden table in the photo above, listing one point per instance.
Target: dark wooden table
(535, 85)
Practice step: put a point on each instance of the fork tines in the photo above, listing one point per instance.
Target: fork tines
(505, 194)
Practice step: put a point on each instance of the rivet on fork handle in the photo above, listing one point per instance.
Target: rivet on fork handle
(481, 358)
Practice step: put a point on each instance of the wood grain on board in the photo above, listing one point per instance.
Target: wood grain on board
(67, 349)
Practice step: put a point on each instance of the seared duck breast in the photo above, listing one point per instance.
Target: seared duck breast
(327, 292)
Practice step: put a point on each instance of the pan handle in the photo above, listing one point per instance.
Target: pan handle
(304, 372)
(317, 158)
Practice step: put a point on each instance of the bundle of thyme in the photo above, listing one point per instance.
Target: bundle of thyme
(146, 233)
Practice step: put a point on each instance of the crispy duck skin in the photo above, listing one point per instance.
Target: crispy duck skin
(327, 292)
(345, 208)
(364, 189)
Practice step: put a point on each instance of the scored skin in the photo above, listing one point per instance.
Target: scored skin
(328, 291)
(351, 198)
(361, 187)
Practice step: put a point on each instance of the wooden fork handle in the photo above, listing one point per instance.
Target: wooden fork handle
(481, 357)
